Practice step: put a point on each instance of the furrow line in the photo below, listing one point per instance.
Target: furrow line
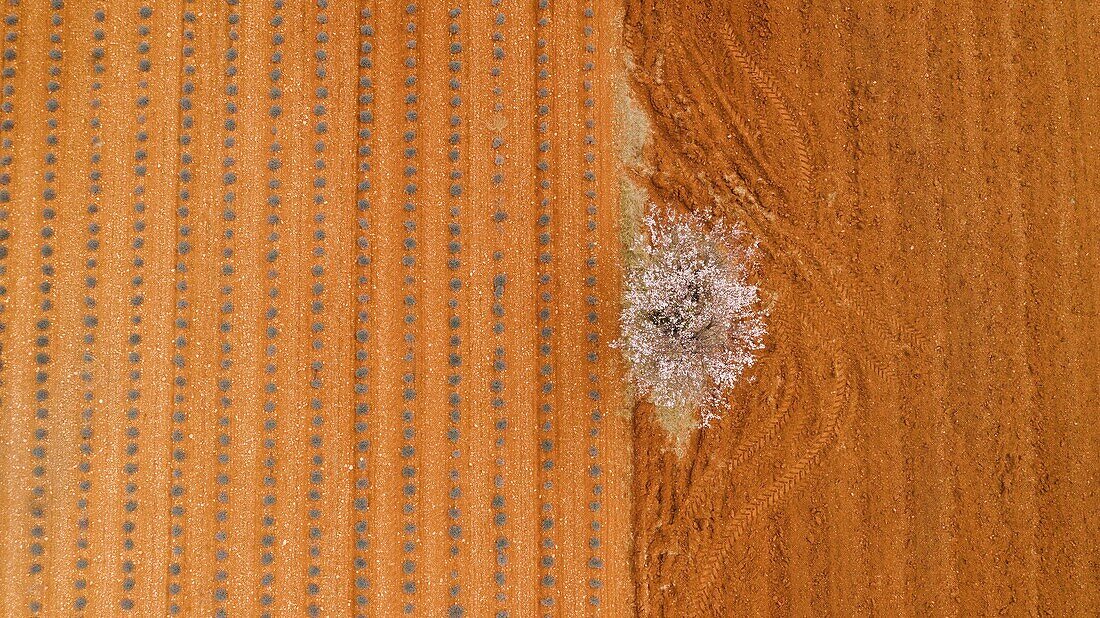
(276, 368)
(364, 557)
(90, 370)
(457, 430)
(320, 397)
(10, 466)
(596, 361)
(412, 289)
(183, 399)
(228, 375)
(502, 541)
(43, 485)
(548, 318)
(135, 412)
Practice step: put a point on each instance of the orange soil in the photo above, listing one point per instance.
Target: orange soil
(239, 373)
(920, 437)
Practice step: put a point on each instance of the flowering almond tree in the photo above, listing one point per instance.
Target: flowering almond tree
(690, 320)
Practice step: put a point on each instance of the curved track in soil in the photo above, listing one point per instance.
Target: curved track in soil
(918, 438)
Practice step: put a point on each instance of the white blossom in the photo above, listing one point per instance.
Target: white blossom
(690, 321)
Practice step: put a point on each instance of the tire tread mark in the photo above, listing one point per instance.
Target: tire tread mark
(767, 85)
(732, 529)
(766, 434)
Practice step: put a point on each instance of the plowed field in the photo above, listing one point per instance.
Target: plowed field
(304, 310)
(920, 437)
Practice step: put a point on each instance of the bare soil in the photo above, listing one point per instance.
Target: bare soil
(305, 310)
(920, 437)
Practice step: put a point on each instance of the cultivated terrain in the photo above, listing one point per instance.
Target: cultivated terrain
(920, 437)
(305, 310)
